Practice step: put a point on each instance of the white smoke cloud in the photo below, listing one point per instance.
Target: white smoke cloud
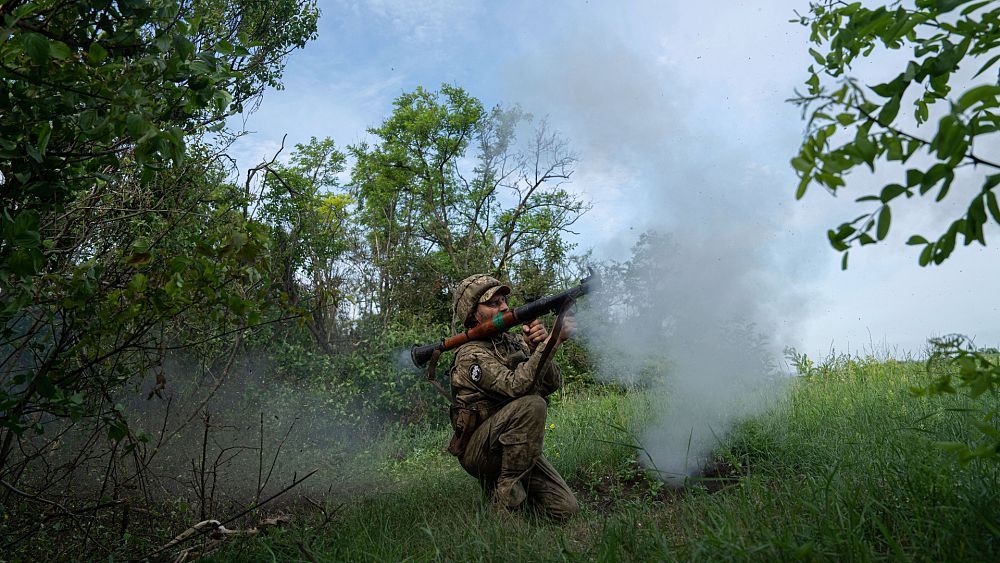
(717, 289)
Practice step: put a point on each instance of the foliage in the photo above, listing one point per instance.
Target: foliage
(314, 233)
(978, 374)
(429, 221)
(120, 237)
(391, 389)
(851, 124)
(575, 362)
(803, 364)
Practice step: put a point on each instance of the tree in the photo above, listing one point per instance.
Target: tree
(116, 223)
(310, 217)
(430, 218)
(851, 124)
(407, 190)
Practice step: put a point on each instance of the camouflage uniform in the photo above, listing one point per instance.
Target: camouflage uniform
(500, 404)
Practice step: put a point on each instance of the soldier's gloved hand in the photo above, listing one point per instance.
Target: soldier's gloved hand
(534, 333)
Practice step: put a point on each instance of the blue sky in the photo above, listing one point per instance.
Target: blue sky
(677, 113)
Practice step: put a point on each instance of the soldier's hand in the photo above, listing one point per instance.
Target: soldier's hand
(568, 327)
(534, 333)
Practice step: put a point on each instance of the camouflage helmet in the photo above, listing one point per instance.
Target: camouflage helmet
(473, 290)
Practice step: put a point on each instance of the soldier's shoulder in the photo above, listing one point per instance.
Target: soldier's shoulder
(516, 341)
(471, 350)
(468, 367)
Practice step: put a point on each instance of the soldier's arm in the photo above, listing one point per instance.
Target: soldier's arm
(551, 380)
(482, 369)
(551, 377)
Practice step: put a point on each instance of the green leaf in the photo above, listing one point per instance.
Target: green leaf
(973, 7)
(813, 84)
(916, 239)
(37, 47)
(24, 230)
(117, 431)
(986, 66)
(949, 5)
(978, 94)
(59, 50)
(803, 184)
(33, 153)
(889, 112)
(893, 147)
(977, 209)
(865, 148)
(884, 218)
(945, 186)
(44, 134)
(991, 203)
(138, 283)
(991, 182)
(846, 118)
(892, 89)
(925, 255)
(891, 192)
(843, 262)
(96, 54)
(136, 125)
(801, 164)
(932, 177)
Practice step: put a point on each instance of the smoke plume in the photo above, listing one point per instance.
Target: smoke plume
(698, 303)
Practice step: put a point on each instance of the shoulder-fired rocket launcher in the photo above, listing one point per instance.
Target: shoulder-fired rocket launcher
(504, 321)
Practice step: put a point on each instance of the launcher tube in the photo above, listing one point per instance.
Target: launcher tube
(502, 322)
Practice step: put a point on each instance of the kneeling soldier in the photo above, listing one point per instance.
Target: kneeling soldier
(499, 387)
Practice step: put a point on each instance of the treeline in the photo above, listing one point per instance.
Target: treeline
(443, 189)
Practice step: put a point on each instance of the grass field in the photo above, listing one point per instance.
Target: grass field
(845, 468)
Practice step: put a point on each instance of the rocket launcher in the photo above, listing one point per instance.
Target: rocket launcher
(504, 321)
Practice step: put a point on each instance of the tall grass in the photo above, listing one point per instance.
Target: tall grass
(844, 469)
(847, 469)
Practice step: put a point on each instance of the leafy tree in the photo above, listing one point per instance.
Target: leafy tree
(521, 210)
(851, 124)
(407, 190)
(430, 219)
(313, 230)
(116, 226)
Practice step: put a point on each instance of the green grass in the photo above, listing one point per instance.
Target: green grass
(844, 469)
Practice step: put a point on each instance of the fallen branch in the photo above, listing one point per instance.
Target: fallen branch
(206, 527)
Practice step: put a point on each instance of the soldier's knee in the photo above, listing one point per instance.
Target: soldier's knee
(533, 407)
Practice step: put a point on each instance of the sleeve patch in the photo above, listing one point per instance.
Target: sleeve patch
(475, 373)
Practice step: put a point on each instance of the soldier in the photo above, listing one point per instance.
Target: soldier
(499, 387)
